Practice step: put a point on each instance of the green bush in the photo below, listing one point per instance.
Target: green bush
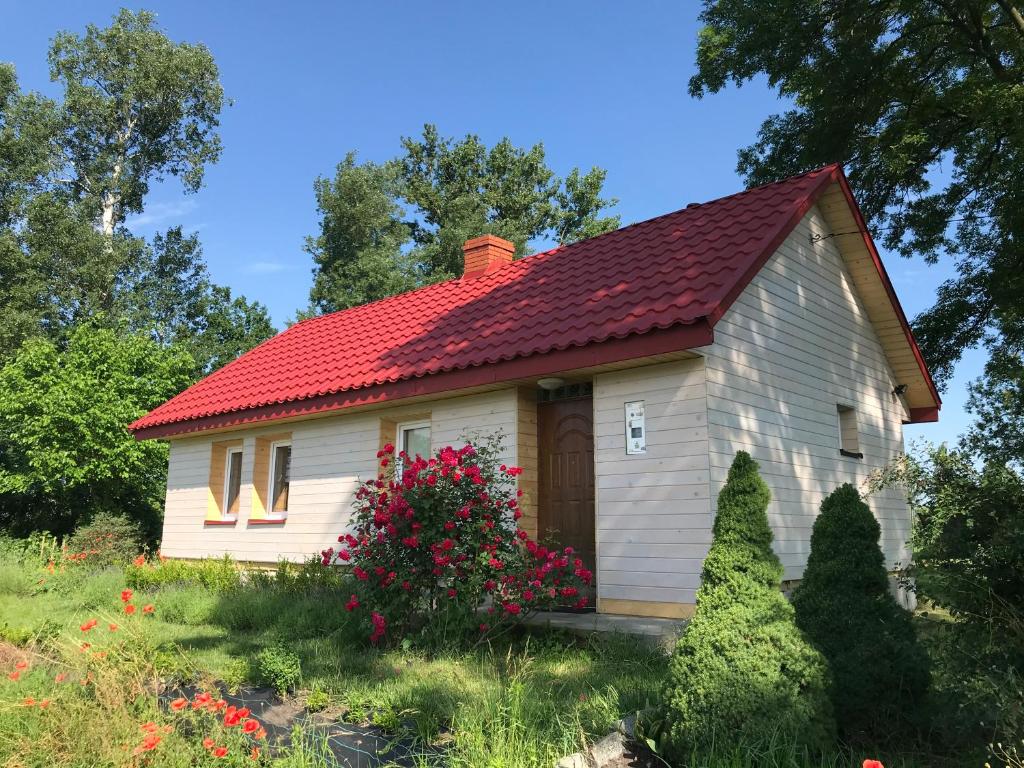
(742, 671)
(37, 549)
(968, 541)
(278, 667)
(318, 700)
(105, 540)
(844, 606)
(216, 574)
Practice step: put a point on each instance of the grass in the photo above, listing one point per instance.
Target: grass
(527, 702)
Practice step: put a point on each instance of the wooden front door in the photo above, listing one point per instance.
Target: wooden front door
(565, 508)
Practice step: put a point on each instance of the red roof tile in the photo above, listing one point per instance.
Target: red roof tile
(682, 269)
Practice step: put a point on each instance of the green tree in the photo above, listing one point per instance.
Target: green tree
(391, 227)
(360, 253)
(742, 672)
(230, 327)
(922, 103)
(136, 108)
(844, 606)
(171, 297)
(997, 401)
(64, 451)
(968, 541)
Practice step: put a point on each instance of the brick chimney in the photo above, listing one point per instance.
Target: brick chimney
(485, 254)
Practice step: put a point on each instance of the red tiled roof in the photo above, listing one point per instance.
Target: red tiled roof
(666, 280)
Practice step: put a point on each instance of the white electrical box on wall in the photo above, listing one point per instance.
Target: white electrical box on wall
(636, 430)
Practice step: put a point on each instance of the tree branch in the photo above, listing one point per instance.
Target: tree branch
(1014, 13)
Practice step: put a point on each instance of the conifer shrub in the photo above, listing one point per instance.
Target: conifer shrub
(742, 672)
(844, 606)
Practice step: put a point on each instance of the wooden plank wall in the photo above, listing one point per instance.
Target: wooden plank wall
(797, 343)
(653, 509)
(330, 456)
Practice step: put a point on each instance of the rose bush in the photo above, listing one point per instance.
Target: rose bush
(436, 548)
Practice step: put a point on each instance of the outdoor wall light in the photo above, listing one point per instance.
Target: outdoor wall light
(901, 389)
(551, 383)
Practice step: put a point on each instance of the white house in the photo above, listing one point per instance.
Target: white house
(624, 371)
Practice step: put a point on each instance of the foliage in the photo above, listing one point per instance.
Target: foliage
(844, 606)
(435, 541)
(135, 107)
(218, 575)
(107, 538)
(742, 671)
(65, 454)
(369, 248)
(318, 700)
(969, 563)
(279, 667)
(997, 401)
(169, 295)
(922, 103)
(519, 703)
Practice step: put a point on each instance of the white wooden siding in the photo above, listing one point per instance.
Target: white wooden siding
(330, 456)
(653, 509)
(797, 343)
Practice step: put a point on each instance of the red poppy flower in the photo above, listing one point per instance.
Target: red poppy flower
(129, 609)
(220, 752)
(148, 608)
(140, 560)
(873, 764)
(21, 665)
(179, 704)
(233, 717)
(88, 625)
(28, 702)
(254, 754)
(250, 726)
(126, 595)
(209, 743)
(261, 733)
(60, 677)
(148, 744)
(44, 703)
(150, 727)
(113, 627)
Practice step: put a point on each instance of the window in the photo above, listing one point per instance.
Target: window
(232, 482)
(849, 444)
(413, 438)
(280, 477)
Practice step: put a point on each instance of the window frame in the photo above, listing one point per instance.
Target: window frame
(400, 429)
(844, 447)
(225, 512)
(271, 514)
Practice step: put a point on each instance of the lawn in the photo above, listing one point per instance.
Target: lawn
(524, 702)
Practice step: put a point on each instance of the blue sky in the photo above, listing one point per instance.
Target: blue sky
(599, 83)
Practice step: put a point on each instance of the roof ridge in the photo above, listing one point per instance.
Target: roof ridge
(563, 247)
(655, 285)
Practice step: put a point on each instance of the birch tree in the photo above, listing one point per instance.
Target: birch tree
(137, 107)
